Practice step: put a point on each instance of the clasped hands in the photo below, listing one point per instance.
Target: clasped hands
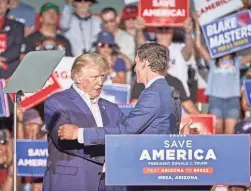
(68, 132)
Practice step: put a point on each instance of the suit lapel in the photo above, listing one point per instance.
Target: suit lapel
(83, 107)
(103, 112)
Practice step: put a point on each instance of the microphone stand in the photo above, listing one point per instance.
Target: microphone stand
(176, 96)
(17, 100)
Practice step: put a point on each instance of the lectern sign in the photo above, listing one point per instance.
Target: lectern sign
(177, 160)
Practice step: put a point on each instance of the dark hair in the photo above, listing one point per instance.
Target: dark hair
(157, 55)
(178, 36)
(109, 9)
(48, 38)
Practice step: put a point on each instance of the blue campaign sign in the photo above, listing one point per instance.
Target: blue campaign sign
(31, 157)
(116, 93)
(228, 34)
(126, 108)
(177, 160)
(247, 89)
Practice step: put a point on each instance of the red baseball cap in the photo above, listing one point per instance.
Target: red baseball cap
(130, 11)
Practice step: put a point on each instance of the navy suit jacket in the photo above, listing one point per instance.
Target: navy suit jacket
(73, 166)
(15, 39)
(154, 113)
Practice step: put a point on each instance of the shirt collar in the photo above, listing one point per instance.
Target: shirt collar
(153, 80)
(84, 95)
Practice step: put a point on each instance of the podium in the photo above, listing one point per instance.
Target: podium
(177, 162)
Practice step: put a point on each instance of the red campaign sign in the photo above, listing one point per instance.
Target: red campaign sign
(30, 100)
(3, 42)
(160, 13)
(198, 124)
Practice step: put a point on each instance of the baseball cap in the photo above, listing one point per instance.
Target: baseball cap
(106, 37)
(47, 6)
(32, 116)
(130, 11)
(3, 137)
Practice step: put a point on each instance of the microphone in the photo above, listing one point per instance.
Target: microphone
(176, 96)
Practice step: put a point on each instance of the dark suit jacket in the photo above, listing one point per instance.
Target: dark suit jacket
(15, 39)
(154, 113)
(73, 166)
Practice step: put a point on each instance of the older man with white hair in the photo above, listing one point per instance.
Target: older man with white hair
(71, 165)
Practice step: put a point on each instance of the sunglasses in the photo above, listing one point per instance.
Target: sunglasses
(49, 47)
(109, 21)
(102, 45)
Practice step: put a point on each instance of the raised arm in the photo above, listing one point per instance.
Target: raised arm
(66, 16)
(199, 46)
(140, 26)
(187, 50)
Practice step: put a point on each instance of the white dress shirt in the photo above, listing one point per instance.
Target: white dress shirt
(153, 80)
(93, 106)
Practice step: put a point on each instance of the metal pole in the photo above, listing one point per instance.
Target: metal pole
(15, 145)
(17, 100)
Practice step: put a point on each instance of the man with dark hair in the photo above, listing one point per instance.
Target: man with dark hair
(153, 114)
(49, 16)
(125, 41)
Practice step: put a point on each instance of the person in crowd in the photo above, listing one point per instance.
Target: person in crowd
(125, 41)
(6, 166)
(107, 47)
(244, 102)
(79, 105)
(180, 48)
(49, 43)
(223, 86)
(24, 14)
(5, 155)
(128, 21)
(12, 38)
(29, 124)
(186, 103)
(49, 16)
(242, 127)
(79, 25)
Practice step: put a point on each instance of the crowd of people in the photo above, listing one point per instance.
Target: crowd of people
(115, 36)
